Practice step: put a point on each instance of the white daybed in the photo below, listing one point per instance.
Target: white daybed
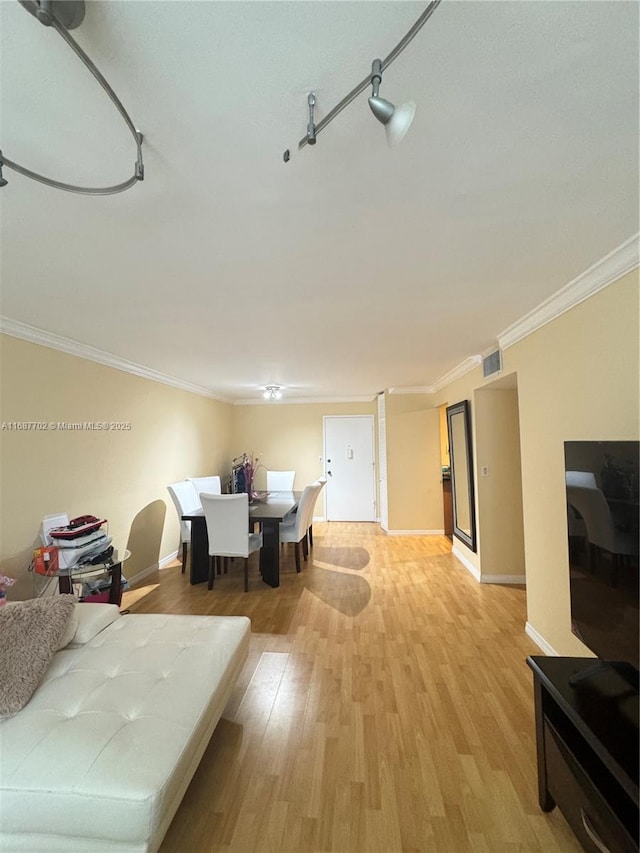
(100, 757)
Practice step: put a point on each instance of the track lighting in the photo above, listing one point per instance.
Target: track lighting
(311, 128)
(65, 15)
(272, 392)
(396, 120)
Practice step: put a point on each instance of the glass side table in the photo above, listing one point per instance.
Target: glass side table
(85, 574)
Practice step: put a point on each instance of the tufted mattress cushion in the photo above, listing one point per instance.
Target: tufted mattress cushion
(101, 756)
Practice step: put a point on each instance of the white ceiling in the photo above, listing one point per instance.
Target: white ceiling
(354, 267)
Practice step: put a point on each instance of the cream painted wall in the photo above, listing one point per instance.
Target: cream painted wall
(121, 475)
(500, 493)
(289, 437)
(413, 463)
(578, 379)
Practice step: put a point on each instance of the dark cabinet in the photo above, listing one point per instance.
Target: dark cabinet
(447, 504)
(587, 750)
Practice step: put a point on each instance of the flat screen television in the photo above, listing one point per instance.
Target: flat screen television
(602, 485)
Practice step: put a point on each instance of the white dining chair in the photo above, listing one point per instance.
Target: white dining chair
(280, 481)
(185, 499)
(227, 518)
(295, 529)
(210, 485)
(321, 481)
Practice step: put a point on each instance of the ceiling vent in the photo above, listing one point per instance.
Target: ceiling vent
(492, 363)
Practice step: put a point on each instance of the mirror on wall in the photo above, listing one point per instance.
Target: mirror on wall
(461, 460)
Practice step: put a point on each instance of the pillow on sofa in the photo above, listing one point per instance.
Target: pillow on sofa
(70, 629)
(93, 618)
(29, 634)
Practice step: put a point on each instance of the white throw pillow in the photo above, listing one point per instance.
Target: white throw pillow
(93, 618)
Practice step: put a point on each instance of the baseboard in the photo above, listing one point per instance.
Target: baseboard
(166, 560)
(540, 641)
(413, 532)
(507, 579)
(151, 569)
(466, 563)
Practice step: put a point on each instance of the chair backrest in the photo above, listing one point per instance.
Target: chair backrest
(581, 478)
(210, 485)
(318, 485)
(304, 513)
(227, 524)
(185, 499)
(280, 481)
(594, 509)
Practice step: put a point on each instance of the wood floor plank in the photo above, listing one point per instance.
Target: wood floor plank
(385, 706)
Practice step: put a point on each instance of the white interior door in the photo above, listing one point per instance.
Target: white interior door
(349, 466)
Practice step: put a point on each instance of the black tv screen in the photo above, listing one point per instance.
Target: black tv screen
(602, 485)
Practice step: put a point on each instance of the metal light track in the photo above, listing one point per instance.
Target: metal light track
(397, 50)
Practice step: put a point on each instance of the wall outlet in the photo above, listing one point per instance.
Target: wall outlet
(484, 471)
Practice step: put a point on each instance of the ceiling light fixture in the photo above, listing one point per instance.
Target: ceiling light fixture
(272, 392)
(397, 120)
(64, 15)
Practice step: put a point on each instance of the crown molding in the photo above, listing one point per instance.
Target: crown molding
(15, 329)
(604, 272)
(413, 389)
(489, 350)
(251, 401)
(458, 372)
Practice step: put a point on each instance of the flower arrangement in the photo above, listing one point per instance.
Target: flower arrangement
(5, 581)
(249, 464)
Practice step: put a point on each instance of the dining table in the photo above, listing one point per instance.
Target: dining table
(267, 509)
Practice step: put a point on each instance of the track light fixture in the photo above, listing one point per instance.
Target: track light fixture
(272, 392)
(397, 120)
(65, 15)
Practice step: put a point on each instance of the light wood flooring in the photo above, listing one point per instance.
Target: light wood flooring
(385, 706)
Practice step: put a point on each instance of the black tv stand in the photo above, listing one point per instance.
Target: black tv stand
(625, 670)
(587, 750)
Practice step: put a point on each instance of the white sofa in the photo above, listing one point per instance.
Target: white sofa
(101, 756)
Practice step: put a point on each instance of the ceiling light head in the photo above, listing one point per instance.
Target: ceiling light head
(399, 122)
(272, 392)
(396, 120)
(69, 13)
